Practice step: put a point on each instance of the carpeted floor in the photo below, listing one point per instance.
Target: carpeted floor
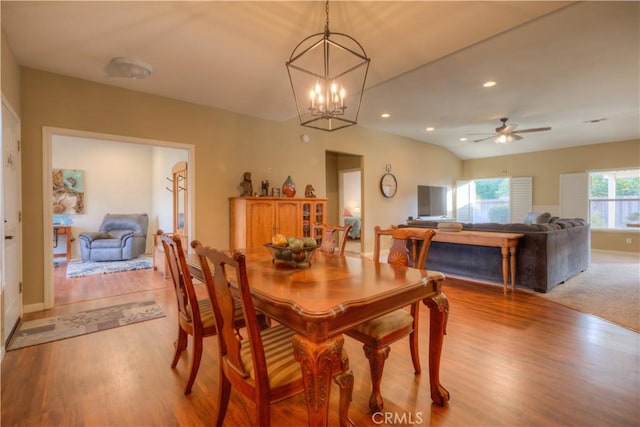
(79, 269)
(609, 289)
(55, 328)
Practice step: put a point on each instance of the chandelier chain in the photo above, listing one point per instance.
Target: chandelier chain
(326, 25)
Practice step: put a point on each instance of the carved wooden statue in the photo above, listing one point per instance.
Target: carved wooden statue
(245, 186)
(309, 192)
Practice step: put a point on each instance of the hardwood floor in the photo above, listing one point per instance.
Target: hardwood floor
(518, 360)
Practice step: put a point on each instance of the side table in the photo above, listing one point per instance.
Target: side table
(59, 230)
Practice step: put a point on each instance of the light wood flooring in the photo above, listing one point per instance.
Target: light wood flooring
(353, 246)
(516, 360)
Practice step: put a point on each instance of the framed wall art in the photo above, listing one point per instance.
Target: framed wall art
(68, 191)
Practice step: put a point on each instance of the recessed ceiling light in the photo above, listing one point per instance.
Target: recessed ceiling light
(489, 84)
(430, 129)
(463, 139)
(385, 115)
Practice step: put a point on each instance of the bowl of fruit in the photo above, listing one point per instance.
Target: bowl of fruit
(292, 251)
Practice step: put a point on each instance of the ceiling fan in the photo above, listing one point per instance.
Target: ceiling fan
(506, 133)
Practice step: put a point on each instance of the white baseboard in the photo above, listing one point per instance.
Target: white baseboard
(32, 308)
(619, 253)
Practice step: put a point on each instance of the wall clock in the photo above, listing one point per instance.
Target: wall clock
(388, 183)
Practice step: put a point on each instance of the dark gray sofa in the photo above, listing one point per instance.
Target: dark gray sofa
(547, 255)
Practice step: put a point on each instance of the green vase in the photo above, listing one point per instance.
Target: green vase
(289, 187)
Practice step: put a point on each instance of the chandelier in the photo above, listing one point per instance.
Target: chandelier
(327, 73)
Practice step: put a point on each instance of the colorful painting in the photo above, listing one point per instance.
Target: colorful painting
(68, 191)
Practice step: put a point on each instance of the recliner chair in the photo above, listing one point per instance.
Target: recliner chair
(121, 237)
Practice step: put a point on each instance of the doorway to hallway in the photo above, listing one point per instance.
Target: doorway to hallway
(344, 193)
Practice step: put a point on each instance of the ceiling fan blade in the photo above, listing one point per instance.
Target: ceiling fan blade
(532, 130)
(515, 137)
(509, 128)
(483, 139)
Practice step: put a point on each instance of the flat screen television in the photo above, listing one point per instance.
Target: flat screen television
(432, 201)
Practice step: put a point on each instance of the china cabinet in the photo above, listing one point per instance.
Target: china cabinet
(254, 220)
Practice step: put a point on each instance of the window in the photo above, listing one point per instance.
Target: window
(614, 198)
(501, 200)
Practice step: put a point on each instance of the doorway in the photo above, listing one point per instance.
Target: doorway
(107, 147)
(344, 180)
(351, 206)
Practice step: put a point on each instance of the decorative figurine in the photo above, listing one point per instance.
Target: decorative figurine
(245, 186)
(309, 192)
(265, 188)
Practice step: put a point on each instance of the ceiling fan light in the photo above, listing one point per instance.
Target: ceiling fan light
(503, 139)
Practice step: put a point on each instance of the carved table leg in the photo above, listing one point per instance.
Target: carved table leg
(512, 253)
(376, 365)
(439, 311)
(317, 361)
(505, 269)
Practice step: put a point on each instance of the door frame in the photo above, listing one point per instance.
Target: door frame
(3, 268)
(339, 189)
(48, 134)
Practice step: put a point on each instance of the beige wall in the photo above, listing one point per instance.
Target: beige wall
(331, 187)
(546, 167)
(226, 145)
(10, 74)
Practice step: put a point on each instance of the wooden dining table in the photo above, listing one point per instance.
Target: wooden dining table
(331, 296)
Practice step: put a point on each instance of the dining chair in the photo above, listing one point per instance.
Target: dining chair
(159, 259)
(328, 233)
(378, 334)
(261, 366)
(195, 312)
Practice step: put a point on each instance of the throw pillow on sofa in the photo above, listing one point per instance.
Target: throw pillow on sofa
(537, 218)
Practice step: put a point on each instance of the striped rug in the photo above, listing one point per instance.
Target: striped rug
(39, 331)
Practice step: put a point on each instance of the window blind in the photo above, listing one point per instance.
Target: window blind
(520, 197)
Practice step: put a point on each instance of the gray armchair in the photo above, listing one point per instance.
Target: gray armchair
(121, 237)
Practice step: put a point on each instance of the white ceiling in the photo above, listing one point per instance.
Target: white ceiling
(558, 64)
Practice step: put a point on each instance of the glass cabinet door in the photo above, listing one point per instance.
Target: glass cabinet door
(313, 214)
(319, 213)
(306, 219)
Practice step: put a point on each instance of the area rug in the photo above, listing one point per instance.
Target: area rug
(80, 269)
(609, 289)
(56, 328)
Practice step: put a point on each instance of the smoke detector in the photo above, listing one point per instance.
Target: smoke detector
(128, 68)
